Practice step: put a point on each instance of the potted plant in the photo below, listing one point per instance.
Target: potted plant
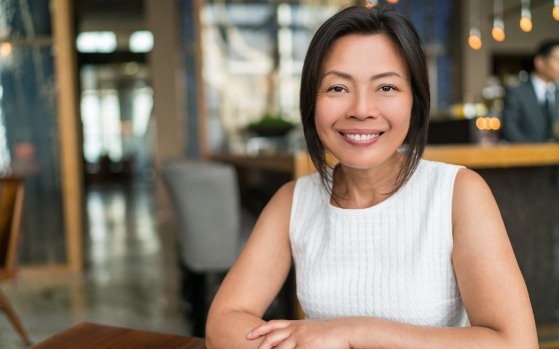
(270, 125)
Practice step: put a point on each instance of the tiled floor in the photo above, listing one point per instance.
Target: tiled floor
(131, 277)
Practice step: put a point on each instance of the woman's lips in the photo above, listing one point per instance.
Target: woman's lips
(359, 137)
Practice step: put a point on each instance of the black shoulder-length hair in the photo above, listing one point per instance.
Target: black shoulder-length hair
(363, 20)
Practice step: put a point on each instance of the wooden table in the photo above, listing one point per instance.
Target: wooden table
(96, 336)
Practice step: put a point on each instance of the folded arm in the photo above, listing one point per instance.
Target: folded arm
(489, 279)
(255, 279)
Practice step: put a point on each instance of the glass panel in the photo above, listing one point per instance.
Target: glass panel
(29, 139)
(433, 22)
(24, 19)
(253, 55)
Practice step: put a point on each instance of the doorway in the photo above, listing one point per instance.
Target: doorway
(116, 102)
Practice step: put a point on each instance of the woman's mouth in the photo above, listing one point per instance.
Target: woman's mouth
(359, 137)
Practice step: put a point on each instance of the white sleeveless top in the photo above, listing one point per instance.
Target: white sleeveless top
(391, 260)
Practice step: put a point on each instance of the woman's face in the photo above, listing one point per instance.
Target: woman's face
(364, 101)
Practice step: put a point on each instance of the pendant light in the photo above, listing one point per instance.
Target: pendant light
(526, 16)
(474, 38)
(498, 30)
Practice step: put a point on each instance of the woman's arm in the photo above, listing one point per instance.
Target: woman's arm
(490, 282)
(255, 279)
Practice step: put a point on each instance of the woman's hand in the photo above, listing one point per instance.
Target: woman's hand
(300, 334)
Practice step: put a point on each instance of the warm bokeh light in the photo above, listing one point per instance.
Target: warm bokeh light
(488, 123)
(392, 1)
(474, 41)
(481, 123)
(556, 12)
(494, 123)
(5, 49)
(526, 24)
(498, 33)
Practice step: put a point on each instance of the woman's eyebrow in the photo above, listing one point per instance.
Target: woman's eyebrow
(374, 77)
(337, 73)
(386, 74)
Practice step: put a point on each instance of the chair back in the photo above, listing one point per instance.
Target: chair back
(206, 199)
(11, 205)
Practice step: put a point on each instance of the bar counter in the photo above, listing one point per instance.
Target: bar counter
(495, 156)
(471, 156)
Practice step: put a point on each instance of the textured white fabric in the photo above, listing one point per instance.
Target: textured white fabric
(392, 260)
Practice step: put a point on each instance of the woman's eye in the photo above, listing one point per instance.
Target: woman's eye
(337, 89)
(387, 88)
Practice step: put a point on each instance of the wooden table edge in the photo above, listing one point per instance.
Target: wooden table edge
(89, 332)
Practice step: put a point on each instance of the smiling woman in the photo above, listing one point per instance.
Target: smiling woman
(361, 104)
(389, 250)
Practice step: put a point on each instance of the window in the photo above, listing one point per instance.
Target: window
(253, 54)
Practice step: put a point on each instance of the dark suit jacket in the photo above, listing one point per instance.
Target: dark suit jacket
(523, 118)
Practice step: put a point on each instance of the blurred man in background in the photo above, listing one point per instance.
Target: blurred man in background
(530, 113)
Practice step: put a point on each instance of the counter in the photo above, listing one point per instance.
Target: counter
(471, 156)
(495, 156)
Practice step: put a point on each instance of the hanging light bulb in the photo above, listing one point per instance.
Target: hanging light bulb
(498, 30)
(474, 40)
(526, 16)
(556, 9)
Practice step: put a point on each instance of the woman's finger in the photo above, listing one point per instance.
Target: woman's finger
(275, 339)
(267, 328)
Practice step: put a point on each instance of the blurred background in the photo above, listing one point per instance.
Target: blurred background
(97, 95)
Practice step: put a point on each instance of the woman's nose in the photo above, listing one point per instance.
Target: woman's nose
(363, 107)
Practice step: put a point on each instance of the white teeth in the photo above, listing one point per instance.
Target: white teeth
(361, 137)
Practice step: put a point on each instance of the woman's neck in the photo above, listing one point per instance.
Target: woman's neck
(363, 188)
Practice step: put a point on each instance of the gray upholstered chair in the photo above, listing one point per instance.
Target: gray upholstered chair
(212, 227)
